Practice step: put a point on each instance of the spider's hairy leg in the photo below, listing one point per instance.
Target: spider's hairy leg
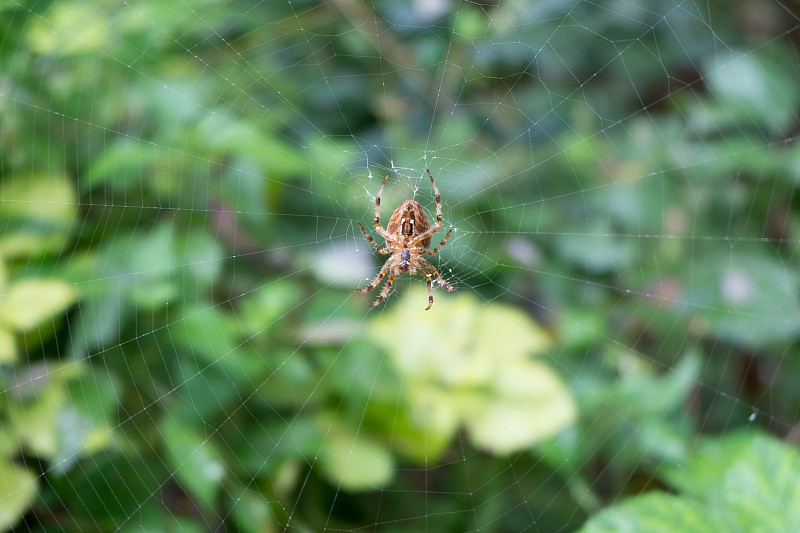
(378, 229)
(431, 252)
(372, 241)
(438, 199)
(378, 278)
(433, 274)
(430, 294)
(385, 290)
(433, 229)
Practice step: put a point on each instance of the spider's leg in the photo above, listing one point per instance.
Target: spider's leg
(438, 201)
(378, 202)
(433, 274)
(372, 241)
(378, 229)
(431, 252)
(378, 278)
(433, 229)
(430, 294)
(385, 290)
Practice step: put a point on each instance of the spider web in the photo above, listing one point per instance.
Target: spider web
(180, 339)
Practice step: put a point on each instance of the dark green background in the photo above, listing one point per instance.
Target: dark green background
(180, 343)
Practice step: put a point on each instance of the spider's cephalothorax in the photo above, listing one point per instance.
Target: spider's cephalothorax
(408, 236)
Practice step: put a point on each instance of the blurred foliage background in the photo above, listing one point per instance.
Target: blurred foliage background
(180, 344)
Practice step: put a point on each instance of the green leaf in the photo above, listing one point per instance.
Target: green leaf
(196, 463)
(231, 135)
(201, 257)
(210, 333)
(3, 275)
(35, 418)
(471, 23)
(354, 461)
(71, 28)
(260, 310)
(253, 513)
(18, 488)
(30, 302)
(209, 390)
(655, 513)
(94, 394)
(150, 261)
(85, 423)
(749, 472)
(746, 296)
(123, 163)
(8, 346)
(597, 253)
(642, 412)
(528, 403)
(37, 214)
(154, 517)
(742, 482)
(641, 392)
(754, 87)
(423, 431)
(98, 320)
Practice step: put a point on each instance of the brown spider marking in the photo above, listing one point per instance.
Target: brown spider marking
(408, 237)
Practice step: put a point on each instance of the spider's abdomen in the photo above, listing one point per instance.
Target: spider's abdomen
(408, 221)
(405, 260)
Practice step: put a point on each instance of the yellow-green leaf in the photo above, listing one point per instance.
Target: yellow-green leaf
(424, 430)
(18, 487)
(8, 346)
(355, 462)
(70, 28)
(253, 513)
(35, 419)
(3, 275)
(527, 403)
(38, 212)
(474, 365)
(30, 302)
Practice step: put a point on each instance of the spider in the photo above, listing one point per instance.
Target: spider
(408, 238)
